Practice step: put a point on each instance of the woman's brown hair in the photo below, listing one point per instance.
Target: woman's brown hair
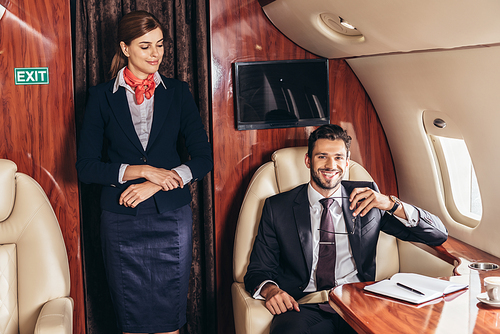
(133, 25)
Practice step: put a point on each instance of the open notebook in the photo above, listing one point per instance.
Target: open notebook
(425, 288)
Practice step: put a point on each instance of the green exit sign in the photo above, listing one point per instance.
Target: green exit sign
(32, 76)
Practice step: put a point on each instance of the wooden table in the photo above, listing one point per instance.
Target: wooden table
(460, 312)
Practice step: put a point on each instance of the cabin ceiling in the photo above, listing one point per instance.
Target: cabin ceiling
(386, 26)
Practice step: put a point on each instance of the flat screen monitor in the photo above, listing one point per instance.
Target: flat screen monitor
(280, 94)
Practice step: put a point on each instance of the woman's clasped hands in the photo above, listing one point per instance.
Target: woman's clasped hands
(157, 179)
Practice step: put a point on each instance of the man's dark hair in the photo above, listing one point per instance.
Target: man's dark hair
(331, 132)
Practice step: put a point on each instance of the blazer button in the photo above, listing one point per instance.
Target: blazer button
(144, 159)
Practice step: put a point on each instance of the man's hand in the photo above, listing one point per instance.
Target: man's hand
(137, 193)
(277, 300)
(365, 199)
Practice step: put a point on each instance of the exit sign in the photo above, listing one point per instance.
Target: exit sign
(32, 76)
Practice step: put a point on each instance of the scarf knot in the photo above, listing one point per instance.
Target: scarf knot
(141, 88)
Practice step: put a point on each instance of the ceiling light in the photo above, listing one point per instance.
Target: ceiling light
(347, 24)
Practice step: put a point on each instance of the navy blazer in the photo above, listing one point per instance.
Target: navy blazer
(283, 249)
(107, 116)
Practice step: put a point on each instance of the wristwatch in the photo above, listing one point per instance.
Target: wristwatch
(397, 203)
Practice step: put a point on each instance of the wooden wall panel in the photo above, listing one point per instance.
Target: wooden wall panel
(241, 32)
(37, 121)
(351, 108)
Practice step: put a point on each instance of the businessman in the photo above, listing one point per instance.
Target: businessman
(324, 233)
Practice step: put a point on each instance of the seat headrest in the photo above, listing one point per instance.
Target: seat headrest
(290, 167)
(8, 171)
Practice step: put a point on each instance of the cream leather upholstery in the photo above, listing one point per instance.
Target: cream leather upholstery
(286, 171)
(34, 271)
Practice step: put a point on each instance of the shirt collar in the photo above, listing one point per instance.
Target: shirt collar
(315, 196)
(120, 81)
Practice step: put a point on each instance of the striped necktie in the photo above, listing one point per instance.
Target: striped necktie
(325, 271)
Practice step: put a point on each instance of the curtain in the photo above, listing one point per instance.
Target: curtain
(186, 58)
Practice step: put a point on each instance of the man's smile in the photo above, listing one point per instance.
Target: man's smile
(329, 174)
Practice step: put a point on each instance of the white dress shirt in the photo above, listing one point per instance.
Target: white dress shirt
(142, 118)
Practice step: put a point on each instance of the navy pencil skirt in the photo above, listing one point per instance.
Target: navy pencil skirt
(148, 261)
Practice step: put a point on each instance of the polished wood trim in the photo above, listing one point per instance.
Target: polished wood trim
(465, 254)
(351, 108)
(370, 313)
(459, 254)
(37, 121)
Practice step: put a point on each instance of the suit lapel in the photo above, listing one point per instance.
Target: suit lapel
(163, 100)
(119, 106)
(352, 223)
(303, 222)
(348, 217)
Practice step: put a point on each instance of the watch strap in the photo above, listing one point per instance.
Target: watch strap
(393, 209)
(397, 203)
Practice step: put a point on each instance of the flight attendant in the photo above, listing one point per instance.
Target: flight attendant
(128, 145)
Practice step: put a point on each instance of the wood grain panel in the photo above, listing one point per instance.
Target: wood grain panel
(37, 121)
(241, 32)
(370, 313)
(352, 109)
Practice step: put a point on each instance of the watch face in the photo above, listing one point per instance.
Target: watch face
(395, 199)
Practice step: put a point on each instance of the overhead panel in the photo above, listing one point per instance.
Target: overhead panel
(384, 26)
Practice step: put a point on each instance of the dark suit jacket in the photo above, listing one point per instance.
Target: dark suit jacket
(108, 116)
(283, 249)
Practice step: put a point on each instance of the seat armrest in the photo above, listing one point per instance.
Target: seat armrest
(463, 254)
(56, 317)
(250, 315)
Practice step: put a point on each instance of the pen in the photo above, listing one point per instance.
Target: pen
(410, 289)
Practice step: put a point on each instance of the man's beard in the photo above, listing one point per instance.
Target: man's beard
(316, 177)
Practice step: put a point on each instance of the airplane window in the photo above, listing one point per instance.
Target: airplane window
(463, 181)
(459, 184)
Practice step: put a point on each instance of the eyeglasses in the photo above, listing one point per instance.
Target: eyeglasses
(355, 222)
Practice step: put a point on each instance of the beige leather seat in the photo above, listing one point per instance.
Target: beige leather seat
(286, 171)
(34, 271)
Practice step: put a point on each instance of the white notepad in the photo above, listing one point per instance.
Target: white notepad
(431, 287)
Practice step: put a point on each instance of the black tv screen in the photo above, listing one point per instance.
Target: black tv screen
(279, 94)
